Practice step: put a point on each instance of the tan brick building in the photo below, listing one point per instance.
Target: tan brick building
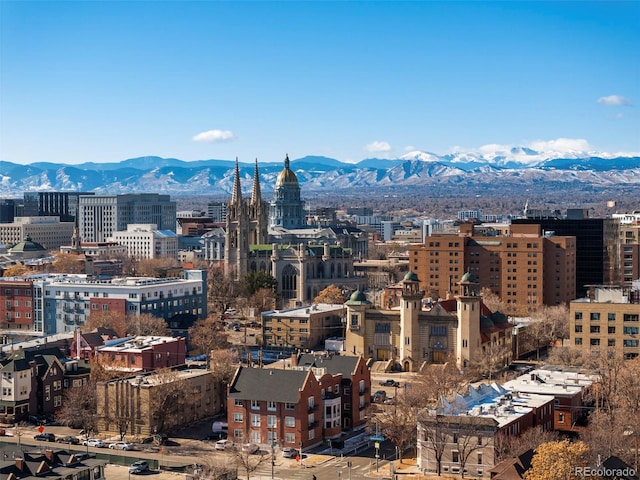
(157, 402)
(608, 319)
(524, 267)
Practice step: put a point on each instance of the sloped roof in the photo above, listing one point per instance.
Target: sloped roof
(335, 364)
(268, 384)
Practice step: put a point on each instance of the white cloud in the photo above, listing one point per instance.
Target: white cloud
(561, 145)
(214, 136)
(409, 148)
(614, 101)
(377, 147)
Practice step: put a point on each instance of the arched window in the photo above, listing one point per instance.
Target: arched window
(289, 282)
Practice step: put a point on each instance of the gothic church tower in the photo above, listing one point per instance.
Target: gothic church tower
(247, 222)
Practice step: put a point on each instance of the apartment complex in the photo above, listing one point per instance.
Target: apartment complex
(607, 319)
(50, 232)
(56, 303)
(57, 204)
(146, 241)
(299, 407)
(302, 327)
(100, 216)
(630, 250)
(524, 267)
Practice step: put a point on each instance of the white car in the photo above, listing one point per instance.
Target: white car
(224, 444)
(121, 446)
(94, 442)
(250, 448)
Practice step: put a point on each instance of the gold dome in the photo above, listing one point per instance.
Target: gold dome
(286, 176)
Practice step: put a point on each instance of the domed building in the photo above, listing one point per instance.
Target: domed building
(287, 209)
(27, 249)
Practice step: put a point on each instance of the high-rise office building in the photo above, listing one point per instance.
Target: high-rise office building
(99, 216)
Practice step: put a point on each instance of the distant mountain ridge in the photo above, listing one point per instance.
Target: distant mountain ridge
(516, 166)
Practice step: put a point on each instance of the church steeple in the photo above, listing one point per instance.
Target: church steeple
(286, 162)
(256, 196)
(236, 194)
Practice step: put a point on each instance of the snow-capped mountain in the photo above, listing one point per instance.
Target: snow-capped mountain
(509, 166)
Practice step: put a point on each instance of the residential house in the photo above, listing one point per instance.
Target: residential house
(16, 463)
(85, 344)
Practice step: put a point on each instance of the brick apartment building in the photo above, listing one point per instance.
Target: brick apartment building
(299, 407)
(607, 319)
(142, 353)
(524, 267)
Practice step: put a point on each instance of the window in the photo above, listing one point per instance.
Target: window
(271, 421)
(595, 316)
(594, 329)
(611, 317)
(578, 329)
(237, 402)
(255, 404)
(560, 417)
(578, 316)
(289, 422)
(289, 438)
(455, 456)
(630, 330)
(271, 405)
(289, 406)
(595, 342)
(237, 417)
(47, 393)
(255, 419)
(578, 341)
(630, 317)
(237, 434)
(611, 330)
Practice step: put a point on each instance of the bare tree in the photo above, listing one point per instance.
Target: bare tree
(249, 462)
(107, 319)
(493, 300)
(512, 445)
(78, 408)
(68, 263)
(215, 469)
(263, 299)
(435, 381)
(154, 267)
(398, 421)
(223, 291)
(208, 334)
(223, 364)
(146, 324)
(434, 436)
(492, 358)
(169, 400)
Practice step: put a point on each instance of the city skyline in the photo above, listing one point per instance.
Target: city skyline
(107, 81)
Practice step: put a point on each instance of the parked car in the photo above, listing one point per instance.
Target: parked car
(70, 439)
(389, 382)
(140, 466)
(121, 446)
(250, 448)
(288, 452)
(379, 396)
(94, 442)
(45, 437)
(80, 456)
(224, 444)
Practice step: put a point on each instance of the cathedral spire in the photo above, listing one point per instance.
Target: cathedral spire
(256, 196)
(236, 194)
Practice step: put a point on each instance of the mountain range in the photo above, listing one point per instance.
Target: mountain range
(513, 167)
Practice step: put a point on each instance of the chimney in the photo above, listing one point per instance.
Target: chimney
(20, 464)
(49, 454)
(294, 360)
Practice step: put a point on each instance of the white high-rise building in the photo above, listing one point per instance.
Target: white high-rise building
(99, 216)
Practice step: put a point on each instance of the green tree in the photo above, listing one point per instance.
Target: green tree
(254, 281)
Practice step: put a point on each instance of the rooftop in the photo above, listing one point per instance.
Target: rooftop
(305, 311)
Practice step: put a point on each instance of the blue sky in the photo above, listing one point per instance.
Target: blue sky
(106, 81)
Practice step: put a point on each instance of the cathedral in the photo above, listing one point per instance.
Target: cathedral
(302, 269)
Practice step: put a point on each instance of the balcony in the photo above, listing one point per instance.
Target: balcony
(313, 424)
(312, 408)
